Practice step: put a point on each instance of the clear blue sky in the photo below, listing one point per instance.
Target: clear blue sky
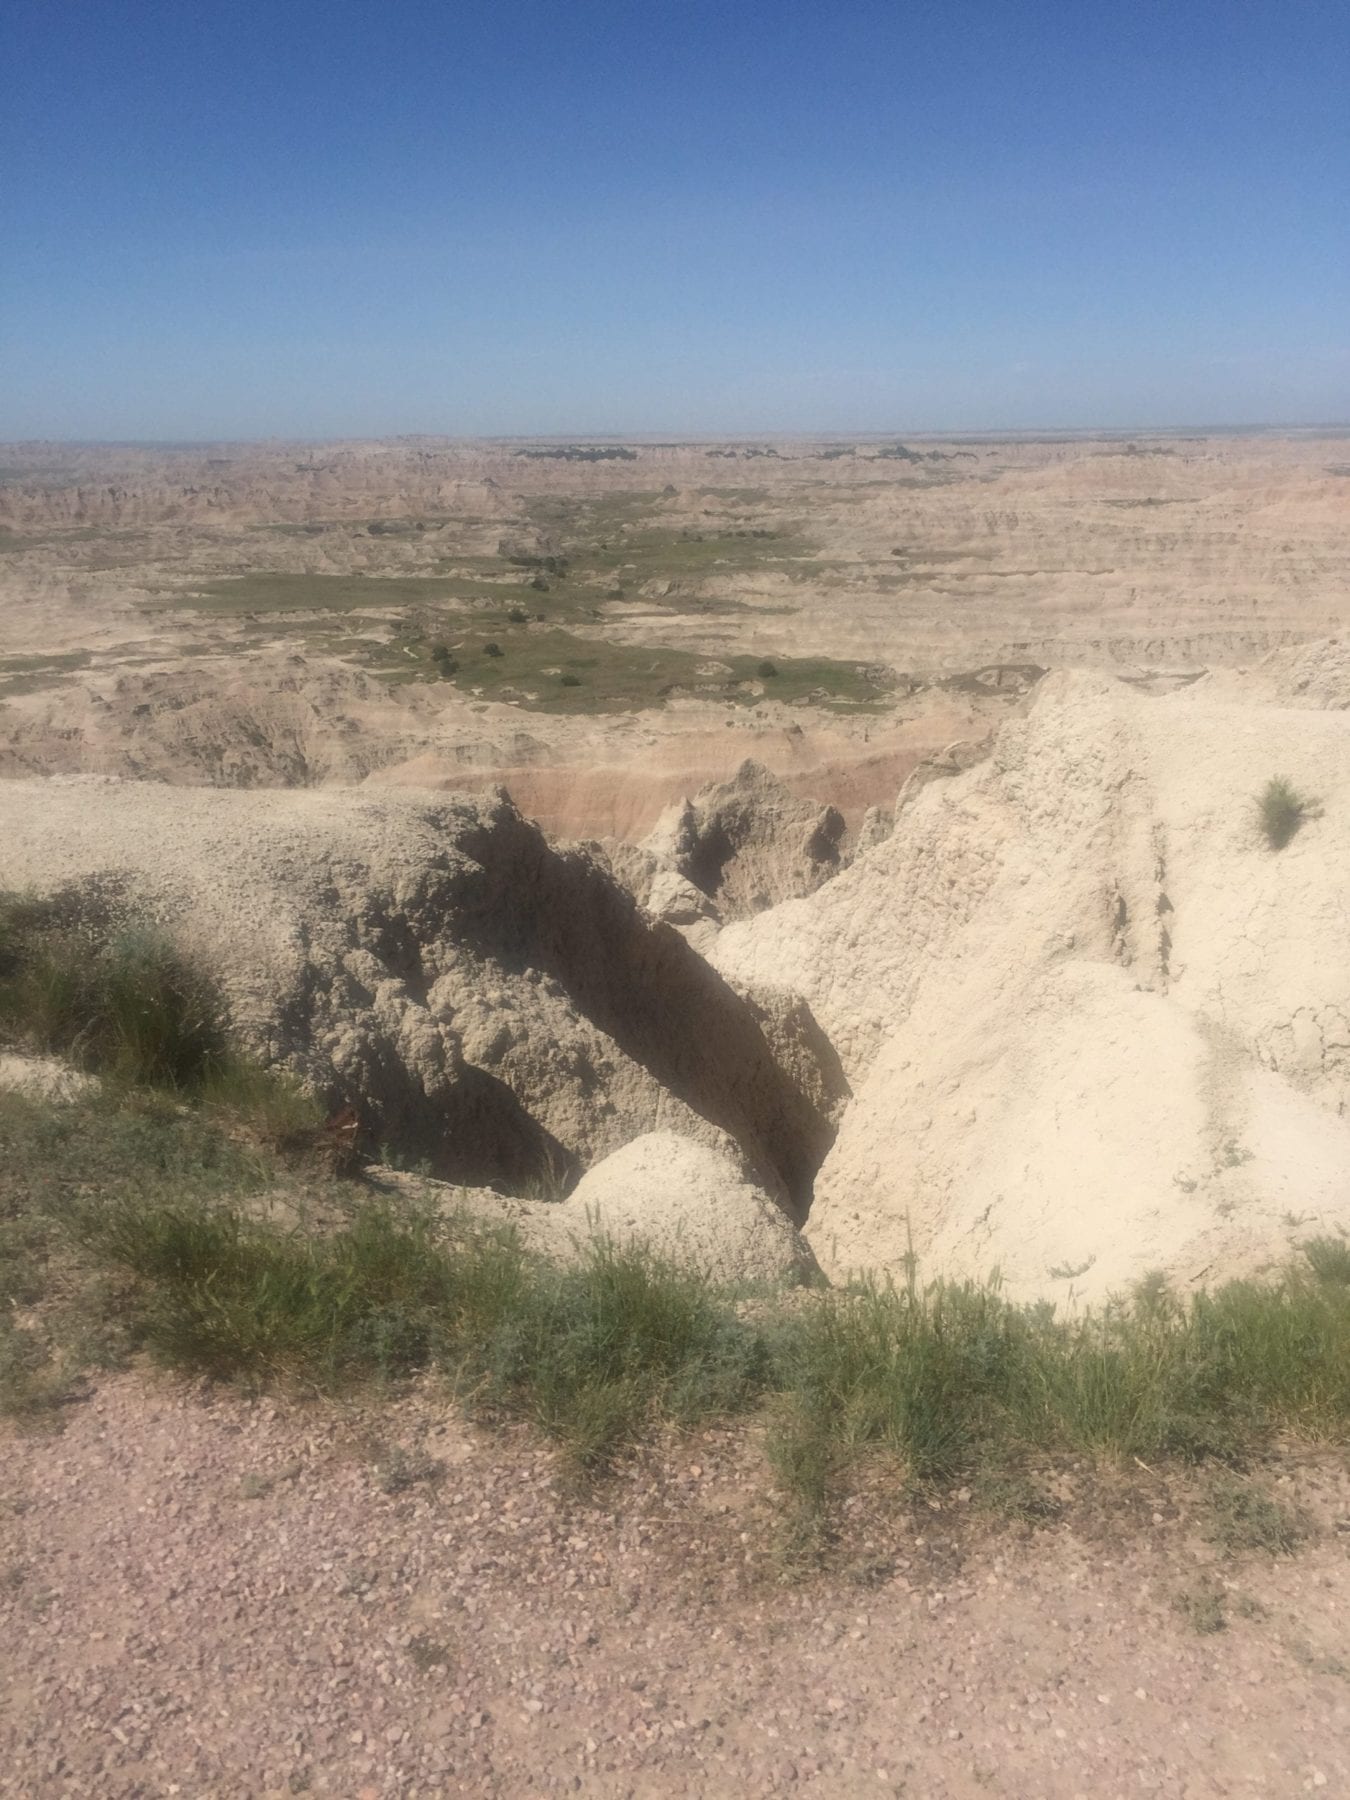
(274, 217)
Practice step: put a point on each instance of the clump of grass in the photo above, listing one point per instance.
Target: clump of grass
(945, 1381)
(269, 1105)
(1010, 1493)
(62, 1308)
(124, 1003)
(33, 1380)
(599, 1352)
(169, 1204)
(428, 1653)
(1281, 810)
(1202, 1607)
(954, 1379)
(595, 1353)
(241, 1299)
(1242, 1517)
(398, 1470)
(121, 1001)
(164, 1206)
(925, 1375)
(1329, 1259)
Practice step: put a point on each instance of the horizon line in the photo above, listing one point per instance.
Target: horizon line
(656, 438)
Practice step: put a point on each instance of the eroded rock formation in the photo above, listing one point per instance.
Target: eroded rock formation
(496, 1006)
(1095, 1025)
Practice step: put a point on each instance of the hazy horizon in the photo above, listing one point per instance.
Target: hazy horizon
(657, 439)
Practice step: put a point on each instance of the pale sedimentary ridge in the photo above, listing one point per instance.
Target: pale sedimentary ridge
(1094, 1024)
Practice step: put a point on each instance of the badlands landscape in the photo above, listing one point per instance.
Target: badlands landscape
(930, 768)
(832, 872)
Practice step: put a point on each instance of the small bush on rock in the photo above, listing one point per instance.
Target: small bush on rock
(1281, 811)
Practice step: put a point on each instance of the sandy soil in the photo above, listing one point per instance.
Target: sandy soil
(208, 1597)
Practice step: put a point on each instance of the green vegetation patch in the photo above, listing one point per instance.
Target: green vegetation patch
(30, 674)
(40, 664)
(586, 453)
(511, 640)
(238, 595)
(953, 1380)
(113, 999)
(624, 537)
(83, 980)
(1244, 1518)
(549, 669)
(62, 1311)
(654, 555)
(602, 512)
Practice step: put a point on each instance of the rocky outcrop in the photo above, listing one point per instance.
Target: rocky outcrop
(749, 842)
(690, 1204)
(1093, 1023)
(493, 1005)
(736, 848)
(278, 721)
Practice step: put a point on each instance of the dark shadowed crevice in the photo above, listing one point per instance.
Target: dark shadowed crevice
(534, 907)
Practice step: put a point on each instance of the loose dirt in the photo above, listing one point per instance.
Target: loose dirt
(204, 1596)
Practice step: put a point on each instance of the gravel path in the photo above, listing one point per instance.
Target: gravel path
(205, 1596)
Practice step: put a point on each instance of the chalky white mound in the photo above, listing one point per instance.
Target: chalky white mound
(1094, 1024)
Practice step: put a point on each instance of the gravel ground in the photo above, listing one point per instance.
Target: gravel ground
(206, 1596)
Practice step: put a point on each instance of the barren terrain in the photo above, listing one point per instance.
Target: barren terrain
(208, 1598)
(247, 615)
(922, 855)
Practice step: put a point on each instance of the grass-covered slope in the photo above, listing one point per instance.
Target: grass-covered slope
(133, 1226)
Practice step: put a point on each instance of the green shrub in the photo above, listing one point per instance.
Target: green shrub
(766, 670)
(130, 1007)
(1280, 811)
(1329, 1259)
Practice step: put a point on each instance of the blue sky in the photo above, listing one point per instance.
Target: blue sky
(286, 218)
